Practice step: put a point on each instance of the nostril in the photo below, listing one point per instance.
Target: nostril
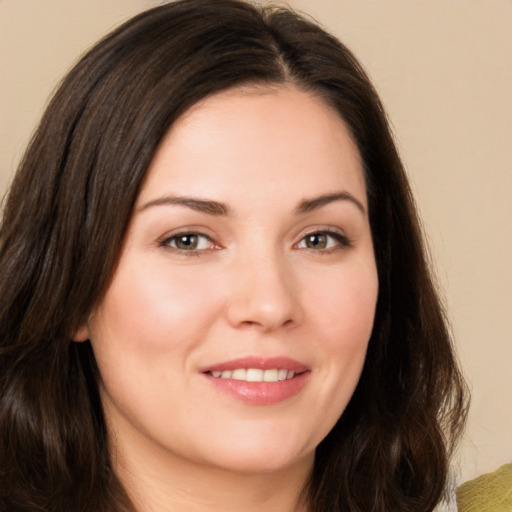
(266, 301)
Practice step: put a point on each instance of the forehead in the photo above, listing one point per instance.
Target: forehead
(253, 140)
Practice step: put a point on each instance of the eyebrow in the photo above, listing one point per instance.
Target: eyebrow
(308, 205)
(201, 205)
(217, 208)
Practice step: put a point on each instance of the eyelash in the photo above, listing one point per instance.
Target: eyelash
(341, 242)
(166, 243)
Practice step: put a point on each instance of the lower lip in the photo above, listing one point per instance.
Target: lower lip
(261, 393)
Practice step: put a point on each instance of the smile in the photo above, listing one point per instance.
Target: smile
(257, 380)
(255, 374)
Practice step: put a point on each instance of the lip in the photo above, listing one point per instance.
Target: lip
(259, 393)
(262, 363)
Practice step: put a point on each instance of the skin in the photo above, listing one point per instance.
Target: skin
(264, 280)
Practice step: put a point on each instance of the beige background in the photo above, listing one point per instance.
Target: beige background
(444, 71)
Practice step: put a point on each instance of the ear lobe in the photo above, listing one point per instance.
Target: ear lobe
(81, 334)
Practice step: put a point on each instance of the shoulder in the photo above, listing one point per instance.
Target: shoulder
(491, 492)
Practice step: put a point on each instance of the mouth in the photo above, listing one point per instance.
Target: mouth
(255, 374)
(259, 381)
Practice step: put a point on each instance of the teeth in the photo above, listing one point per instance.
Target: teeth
(270, 375)
(255, 374)
(239, 374)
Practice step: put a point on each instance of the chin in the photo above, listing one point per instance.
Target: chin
(266, 456)
(256, 464)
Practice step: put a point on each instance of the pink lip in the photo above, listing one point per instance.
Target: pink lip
(259, 393)
(262, 363)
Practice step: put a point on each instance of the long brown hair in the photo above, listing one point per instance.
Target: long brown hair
(66, 216)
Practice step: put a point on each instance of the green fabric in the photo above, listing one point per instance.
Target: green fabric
(491, 492)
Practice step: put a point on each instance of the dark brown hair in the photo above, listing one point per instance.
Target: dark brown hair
(66, 216)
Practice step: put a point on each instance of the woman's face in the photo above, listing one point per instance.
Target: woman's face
(235, 327)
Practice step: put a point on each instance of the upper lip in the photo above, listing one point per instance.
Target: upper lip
(262, 363)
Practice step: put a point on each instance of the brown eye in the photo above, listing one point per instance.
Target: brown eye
(323, 240)
(316, 241)
(188, 242)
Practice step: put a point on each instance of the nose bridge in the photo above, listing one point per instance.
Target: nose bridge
(265, 291)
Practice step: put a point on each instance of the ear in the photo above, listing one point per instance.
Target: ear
(81, 334)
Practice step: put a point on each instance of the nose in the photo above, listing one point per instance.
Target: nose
(265, 295)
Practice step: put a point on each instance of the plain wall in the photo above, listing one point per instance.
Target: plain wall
(444, 71)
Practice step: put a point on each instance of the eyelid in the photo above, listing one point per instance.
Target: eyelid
(343, 241)
(338, 234)
(164, 241)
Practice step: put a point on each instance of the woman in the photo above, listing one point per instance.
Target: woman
(214, 293)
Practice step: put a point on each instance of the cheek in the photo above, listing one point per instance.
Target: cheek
(344, 307)
(143, 332)
(146, 307)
